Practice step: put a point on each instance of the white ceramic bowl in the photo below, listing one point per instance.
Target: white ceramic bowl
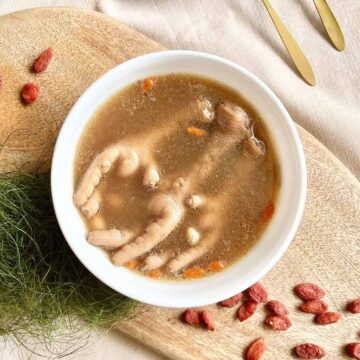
(262, 256)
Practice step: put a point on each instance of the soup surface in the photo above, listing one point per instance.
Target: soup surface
(176, 176)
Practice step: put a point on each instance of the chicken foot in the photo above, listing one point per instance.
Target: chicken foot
(209, 222)
(131, 159)
(223, 137)
(168, 215)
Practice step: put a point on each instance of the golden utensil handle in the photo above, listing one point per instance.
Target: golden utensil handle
(330, 23)
(296, 54)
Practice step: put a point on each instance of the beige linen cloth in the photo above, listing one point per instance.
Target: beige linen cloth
(241, 30)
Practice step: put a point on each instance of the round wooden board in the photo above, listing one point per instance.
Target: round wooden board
(326, 249)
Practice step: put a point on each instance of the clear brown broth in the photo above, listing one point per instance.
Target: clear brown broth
(124, 202)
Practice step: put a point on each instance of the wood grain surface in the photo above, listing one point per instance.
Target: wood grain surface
(86, 44)
(327, 245)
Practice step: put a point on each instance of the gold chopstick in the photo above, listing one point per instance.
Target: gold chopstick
(330, 23)
(296, 54)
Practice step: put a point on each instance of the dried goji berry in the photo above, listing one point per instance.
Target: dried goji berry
(196, 132)
(43, 61)
(309, 351)
(132, 264)
(246, 310)
(353, 350)
(194, 273)
(316, 306)
(278, 322)
(277, 307)
(328, 318)
(191, 317)
(268, 212)
(231, 301)
(207, 320)
(258, 293)
(216, 266)
(30, 92)
(256, 349)
(307, 291)
(354, 306)
(147, 84)
(154, 273)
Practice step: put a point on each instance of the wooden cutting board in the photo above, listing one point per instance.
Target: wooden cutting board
(327, 246)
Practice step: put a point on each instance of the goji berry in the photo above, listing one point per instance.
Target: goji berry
(246, 310)
(132, 264)
(307, 291)
(30, 92)
(354, 306)
(154, 273)
(278, 322)
(258, 293)
(268, 212)
(277, 307)
(196, 132)
(309, 351)
(216, 266)
(353, 350)
(147, 84)
(207, 320)
(316, 306)
(194, 273)
(191, 317)
(231, 301)
(43, 61)
(256, 349)
(328, 318)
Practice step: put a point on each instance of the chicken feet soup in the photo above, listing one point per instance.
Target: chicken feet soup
(176, 177)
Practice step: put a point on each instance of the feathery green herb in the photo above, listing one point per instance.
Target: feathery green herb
(44, 289)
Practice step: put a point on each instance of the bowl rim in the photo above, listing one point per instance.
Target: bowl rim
(297, 148)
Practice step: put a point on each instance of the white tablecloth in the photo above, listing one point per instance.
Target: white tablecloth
(242, 31)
